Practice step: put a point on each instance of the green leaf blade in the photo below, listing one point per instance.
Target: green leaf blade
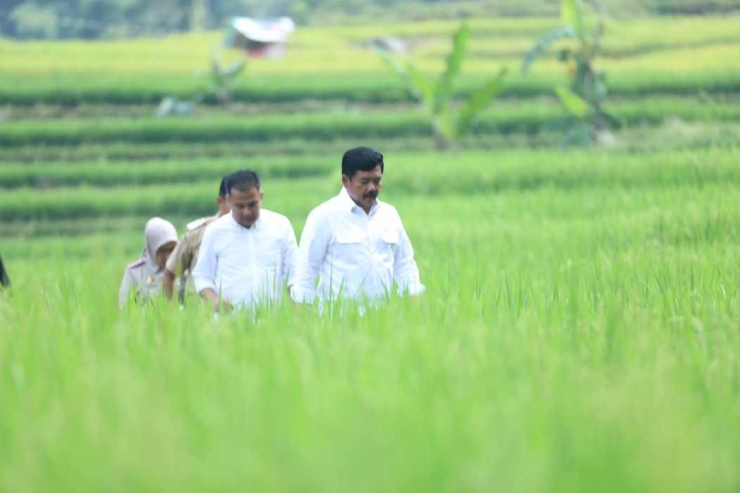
(573, 103)
(424, 87)
(478, 101)
(234, 69)
(571, 14)
(421, 88)
(544, 43)
(454, 65)
(390, 61)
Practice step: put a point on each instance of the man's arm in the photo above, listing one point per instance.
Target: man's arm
(405, 270)
(310, 257)
(290, 251)
(173, 267)
(204, 274)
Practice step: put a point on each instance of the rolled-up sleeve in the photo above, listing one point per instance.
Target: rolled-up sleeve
(174, 262)
(310, 257)
(405, 270)
(204, 274)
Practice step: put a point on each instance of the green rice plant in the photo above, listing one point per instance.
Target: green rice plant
(637, 38)
(182, 199)
(514, 118)
(123, 152)
(692, 54)
(511, 172)
(654, 135)
(578, 338)
(122, 173)
(630, 78)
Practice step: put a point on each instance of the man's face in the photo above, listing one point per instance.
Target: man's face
(245, 205)
(223, 205)
(364, 187)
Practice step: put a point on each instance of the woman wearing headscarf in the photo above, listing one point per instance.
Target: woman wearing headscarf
(144, 277)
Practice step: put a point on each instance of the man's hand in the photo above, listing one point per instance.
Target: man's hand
(220, 305)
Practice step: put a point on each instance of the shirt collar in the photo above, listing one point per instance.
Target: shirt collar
(257, 225)
(349, 205)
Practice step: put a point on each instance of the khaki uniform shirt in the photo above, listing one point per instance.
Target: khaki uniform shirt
(140, 278)
(185, 256)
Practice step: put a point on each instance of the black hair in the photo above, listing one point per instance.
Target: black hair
(361, 159)
(243, 180)
(222, 186)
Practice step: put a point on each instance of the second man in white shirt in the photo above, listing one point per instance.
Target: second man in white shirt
(246, 257)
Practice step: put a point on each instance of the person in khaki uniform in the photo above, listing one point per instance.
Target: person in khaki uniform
(183, 259)
(143, 278)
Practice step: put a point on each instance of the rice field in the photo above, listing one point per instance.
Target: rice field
(688, 55)
(580, 330)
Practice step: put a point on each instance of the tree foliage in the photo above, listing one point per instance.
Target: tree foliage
(92, 19)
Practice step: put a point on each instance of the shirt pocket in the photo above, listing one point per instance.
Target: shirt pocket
(349, 238)
(389, 237)
(386, 243)
(347, 243)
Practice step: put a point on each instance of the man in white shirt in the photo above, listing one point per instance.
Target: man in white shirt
(246, 257)
(354, 243)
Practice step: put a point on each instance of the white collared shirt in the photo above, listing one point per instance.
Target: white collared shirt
(247, 265)
(354, 254)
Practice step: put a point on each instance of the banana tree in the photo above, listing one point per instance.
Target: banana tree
(448, 124)
(223, 77)
(587, 121)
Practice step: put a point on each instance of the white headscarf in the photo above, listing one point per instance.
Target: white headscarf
(157, 232)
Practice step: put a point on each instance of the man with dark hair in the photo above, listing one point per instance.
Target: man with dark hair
(247, 256)
(355, 244)
(183, 259)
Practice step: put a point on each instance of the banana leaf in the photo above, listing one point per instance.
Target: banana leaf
(544, 43)
(454, 64)
(391, 61)
(234, 69)
(570, 12)
(423, 87)
(479, 100)
(574, 104)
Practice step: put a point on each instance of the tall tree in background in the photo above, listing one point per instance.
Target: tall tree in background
(7, 25)
(199, 15)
